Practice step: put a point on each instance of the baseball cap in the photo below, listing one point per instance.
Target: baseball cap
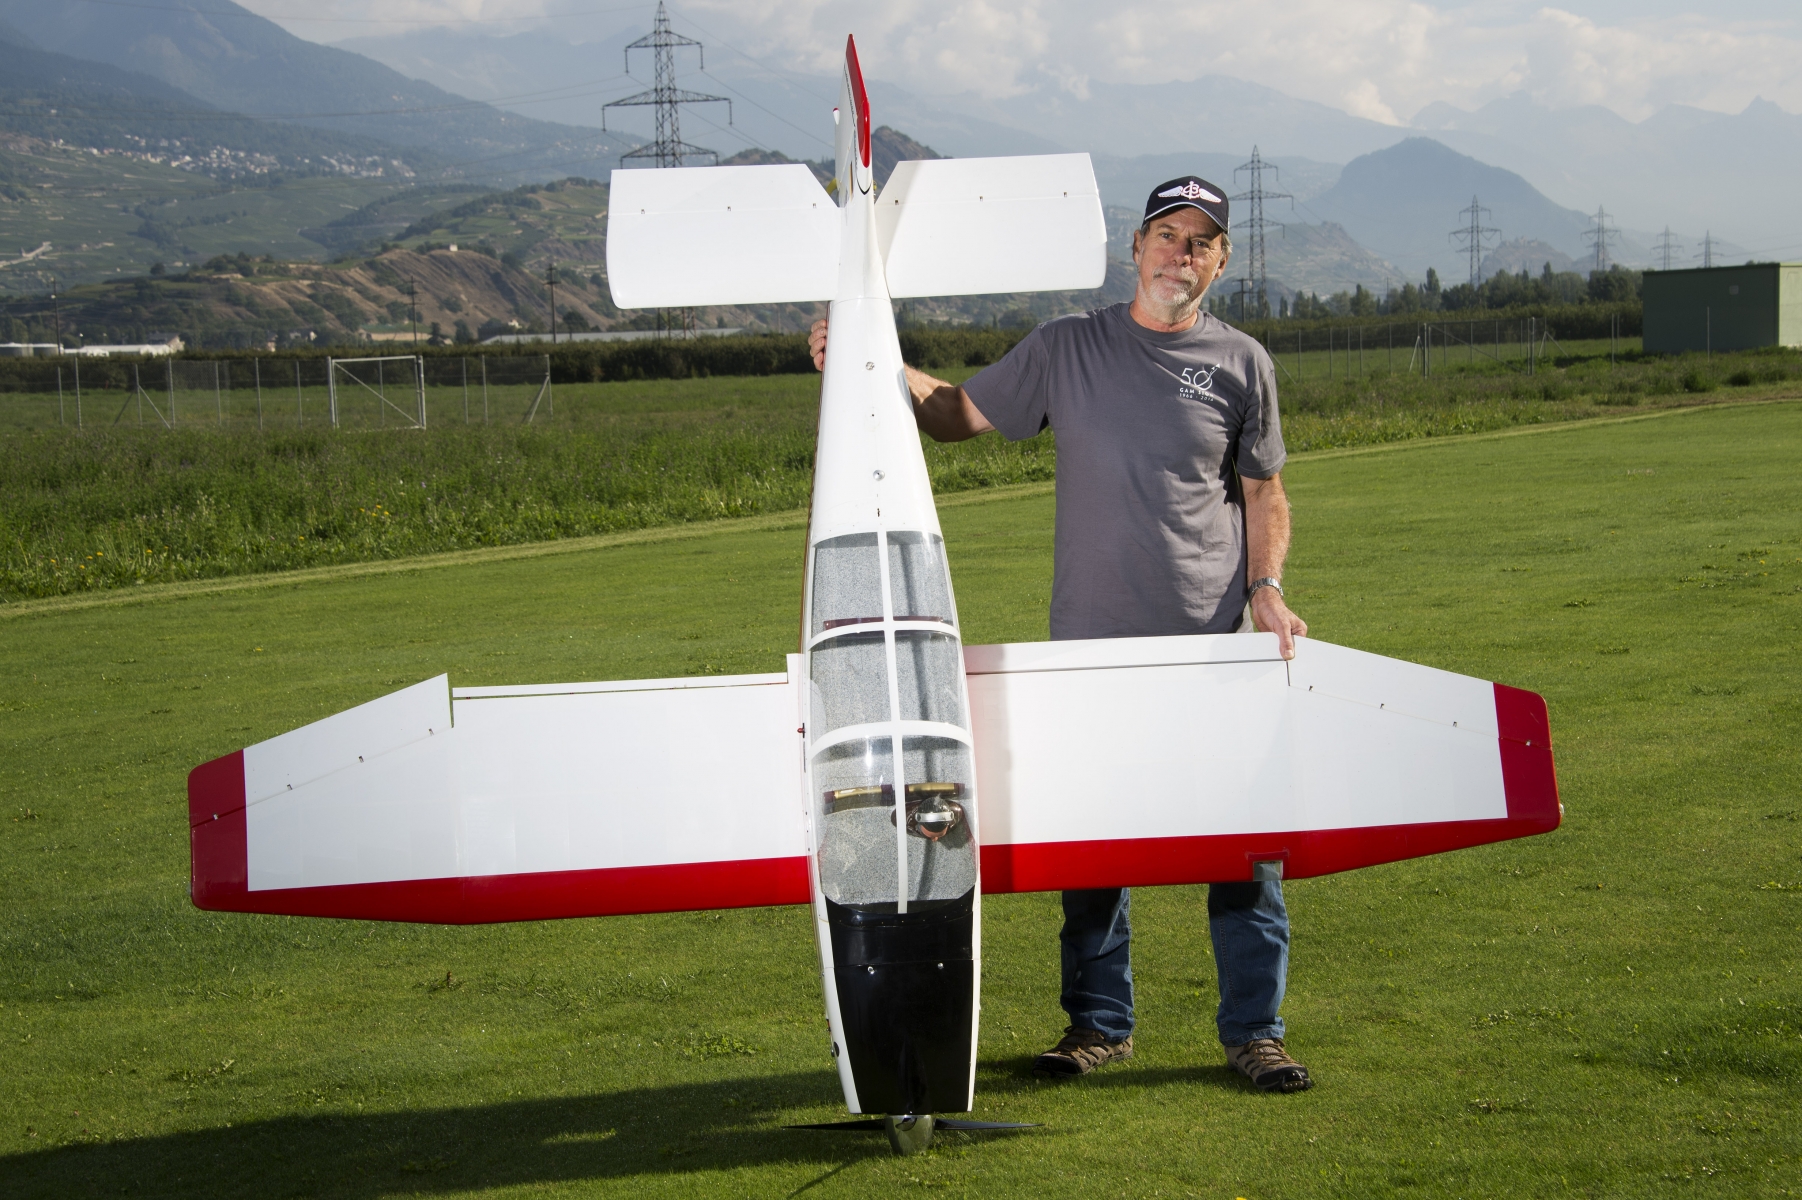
(1188, 191)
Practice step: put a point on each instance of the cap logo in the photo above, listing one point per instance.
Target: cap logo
(1189, 191)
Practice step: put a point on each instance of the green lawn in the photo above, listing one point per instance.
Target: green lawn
(1610, 1010)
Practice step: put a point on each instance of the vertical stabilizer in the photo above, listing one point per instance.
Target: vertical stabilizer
(853, 141)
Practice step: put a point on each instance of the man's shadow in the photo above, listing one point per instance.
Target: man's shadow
(672, 1130)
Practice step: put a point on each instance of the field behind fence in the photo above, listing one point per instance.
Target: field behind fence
(281, 393)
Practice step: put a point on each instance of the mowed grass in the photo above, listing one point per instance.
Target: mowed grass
(119, 507)
(1613, 1009)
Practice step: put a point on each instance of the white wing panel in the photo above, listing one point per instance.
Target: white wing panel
(1215, 735)
(680, 237)
(1133, 752)
(968, 226)
(568, 781)
(345, 739)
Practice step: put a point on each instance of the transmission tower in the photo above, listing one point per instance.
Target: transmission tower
(1257, 225)
(668, 150)
(1668, 245)
(1599, 236)
(1707, 255)
(1474, 234)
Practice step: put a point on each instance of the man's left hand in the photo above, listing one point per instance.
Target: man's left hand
(1273, 616)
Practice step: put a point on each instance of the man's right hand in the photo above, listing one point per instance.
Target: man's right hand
(816, 344)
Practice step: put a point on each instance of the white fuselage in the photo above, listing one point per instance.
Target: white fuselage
(882, 656)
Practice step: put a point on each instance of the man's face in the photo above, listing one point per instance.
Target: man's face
(1179, 256)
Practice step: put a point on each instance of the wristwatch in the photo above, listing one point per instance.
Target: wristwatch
(1266, 582)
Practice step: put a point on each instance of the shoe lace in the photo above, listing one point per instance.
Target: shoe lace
(1269, 1052)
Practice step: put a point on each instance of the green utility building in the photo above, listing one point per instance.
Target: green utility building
(1723, 308)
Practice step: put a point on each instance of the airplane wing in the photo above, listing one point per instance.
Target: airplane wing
(1125, 762)
(1139, 761)
(482, 804)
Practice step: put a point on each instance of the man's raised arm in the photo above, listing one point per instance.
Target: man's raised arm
(943, 410)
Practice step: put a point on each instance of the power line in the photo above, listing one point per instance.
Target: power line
(1258, 225)
(244, 13)
(668, 149)
(1473, 236)
(1599, 236)
(1668, 245)
(1707, 254)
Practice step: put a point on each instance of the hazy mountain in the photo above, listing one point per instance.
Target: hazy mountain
(55, 98)
(1684, 167)
(543, 74)
(1403, 203)
(234, 60)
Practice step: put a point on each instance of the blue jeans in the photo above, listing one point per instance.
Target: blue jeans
(1250, 929)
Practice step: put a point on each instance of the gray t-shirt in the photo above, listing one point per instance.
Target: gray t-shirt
(1153, 431)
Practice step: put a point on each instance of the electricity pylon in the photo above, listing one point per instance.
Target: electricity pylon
(1598, 238)
(1474, 234)
(668, 149)
(1668, 246)
(1257, 226)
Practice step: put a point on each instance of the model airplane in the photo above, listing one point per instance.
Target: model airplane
(891, 775)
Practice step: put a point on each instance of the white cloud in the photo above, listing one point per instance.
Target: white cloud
(1383, 59)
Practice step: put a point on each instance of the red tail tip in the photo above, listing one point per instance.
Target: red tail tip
(859, 97)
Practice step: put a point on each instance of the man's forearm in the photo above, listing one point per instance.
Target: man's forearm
(1266, 528)
(944, 410)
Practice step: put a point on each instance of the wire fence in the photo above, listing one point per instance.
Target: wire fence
(274, 394)
(432, 391)
(1425, 348)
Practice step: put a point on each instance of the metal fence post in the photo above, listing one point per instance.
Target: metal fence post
(59, 396)
(77, 367)
(137, 389)
(331, 390)
(550, 393)
(419, 385)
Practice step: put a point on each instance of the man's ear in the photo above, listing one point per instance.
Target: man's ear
(1138, 240)
(1224, 259)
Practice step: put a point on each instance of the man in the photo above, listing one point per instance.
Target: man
(1171, 518)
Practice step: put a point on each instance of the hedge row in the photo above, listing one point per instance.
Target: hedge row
(786, 353)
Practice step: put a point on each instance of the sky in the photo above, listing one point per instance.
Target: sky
(1381, 59)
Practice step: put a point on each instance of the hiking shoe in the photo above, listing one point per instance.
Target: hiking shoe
(1268, 1065)
(1081, 1051)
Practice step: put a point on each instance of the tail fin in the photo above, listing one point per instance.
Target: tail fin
(853, 166)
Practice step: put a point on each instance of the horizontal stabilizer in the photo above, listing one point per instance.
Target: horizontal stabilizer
(684, 237)
(971, 226)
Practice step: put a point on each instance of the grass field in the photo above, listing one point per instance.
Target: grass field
(114, 505)
(1610, 1010)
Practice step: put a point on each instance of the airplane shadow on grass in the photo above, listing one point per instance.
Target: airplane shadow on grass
(664, 1131)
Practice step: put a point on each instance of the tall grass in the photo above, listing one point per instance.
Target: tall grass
(86, 510)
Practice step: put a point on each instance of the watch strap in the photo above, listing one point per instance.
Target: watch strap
(1266, 582)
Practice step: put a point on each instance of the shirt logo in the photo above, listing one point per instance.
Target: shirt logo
(1198, 381)
(1189, 191)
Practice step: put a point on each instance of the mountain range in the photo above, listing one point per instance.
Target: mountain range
(1691, 170)
(211, 89)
